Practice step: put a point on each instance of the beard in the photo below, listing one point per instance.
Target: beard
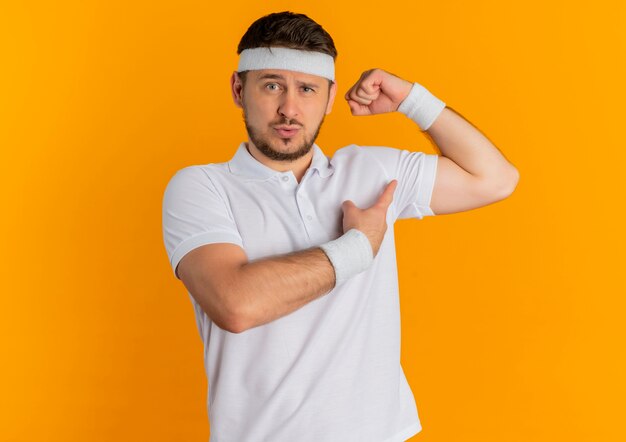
(262, 143)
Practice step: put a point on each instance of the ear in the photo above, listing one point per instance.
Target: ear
(236, 89)
(331, 97)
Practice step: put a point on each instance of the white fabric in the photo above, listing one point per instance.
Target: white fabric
(329, 371)
(421, 106)
(309, 62)
(349, 254)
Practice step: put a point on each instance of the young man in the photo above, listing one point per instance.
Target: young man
(289, 257)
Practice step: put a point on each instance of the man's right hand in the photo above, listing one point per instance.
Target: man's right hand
(371, 221)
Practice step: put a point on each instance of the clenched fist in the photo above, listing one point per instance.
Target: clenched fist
(377, 92)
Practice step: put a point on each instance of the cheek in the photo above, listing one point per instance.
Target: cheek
(320, 113)
(255, 115)
(262, 109)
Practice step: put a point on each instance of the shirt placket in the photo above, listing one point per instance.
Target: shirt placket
(306, 210)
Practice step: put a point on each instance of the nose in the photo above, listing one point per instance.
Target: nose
(288, 107)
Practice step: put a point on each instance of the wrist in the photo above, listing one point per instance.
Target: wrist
(349, 254)
(407, 87)
(421, 106)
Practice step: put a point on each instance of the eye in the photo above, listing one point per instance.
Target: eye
(271, 84)
(311, 89)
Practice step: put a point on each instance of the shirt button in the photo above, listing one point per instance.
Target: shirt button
(309, 217)
(285, 178)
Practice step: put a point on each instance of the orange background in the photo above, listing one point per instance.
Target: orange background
(510, 313)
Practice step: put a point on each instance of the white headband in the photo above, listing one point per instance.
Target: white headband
(309, 62)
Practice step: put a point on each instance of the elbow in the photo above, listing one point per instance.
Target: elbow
(229, 322)
(507, 186)
(514, 181)
(232, 323)
(235, 325)
(234, 329)
(233, 319)
(218, 307)
(237, 312)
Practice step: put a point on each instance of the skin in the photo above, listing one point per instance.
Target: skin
(294, 99)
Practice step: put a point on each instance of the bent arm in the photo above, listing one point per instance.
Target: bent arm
(273, 287)
(471, 171)
(237, 294)
(465, 145)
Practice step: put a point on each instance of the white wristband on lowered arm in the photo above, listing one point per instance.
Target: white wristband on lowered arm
(421, 106)
(349, 254)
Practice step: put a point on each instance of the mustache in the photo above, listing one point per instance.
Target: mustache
(287, 123)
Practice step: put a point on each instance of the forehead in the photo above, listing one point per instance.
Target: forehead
(286, 75)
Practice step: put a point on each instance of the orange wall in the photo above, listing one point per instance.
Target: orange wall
(510, 312)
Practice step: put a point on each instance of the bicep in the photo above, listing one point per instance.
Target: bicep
(208, 272)
(456, 190)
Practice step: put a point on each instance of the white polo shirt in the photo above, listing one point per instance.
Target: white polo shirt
(329, 371)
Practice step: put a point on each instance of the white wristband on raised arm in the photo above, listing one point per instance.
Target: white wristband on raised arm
(421, 106)
(349, 254)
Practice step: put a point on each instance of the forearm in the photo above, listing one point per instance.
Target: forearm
(270, 288)
(464, 144)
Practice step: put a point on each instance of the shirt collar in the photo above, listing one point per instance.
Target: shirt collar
(243, 163)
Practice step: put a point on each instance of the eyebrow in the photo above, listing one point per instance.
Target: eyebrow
(280, 77)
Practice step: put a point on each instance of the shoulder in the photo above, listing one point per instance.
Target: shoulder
(196, 176)
(363, 151)
(200, 172)
(376, 157)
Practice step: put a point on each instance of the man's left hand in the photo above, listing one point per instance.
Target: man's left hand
(377, 92)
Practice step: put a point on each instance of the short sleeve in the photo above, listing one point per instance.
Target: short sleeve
(194, 214)
(415, 172)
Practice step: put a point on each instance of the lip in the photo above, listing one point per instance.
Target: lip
(286, 131)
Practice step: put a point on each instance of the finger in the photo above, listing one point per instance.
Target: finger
(347, 204)
(347, 96)
(358, 109)
(353, 96)
(370, 82)
(363, 101)
(387, 196)
(361, 93)
(367, 82)
(368, 85)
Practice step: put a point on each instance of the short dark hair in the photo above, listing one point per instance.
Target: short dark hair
(289, 30)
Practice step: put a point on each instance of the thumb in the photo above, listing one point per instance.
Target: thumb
(347, 204)
(387, 196)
